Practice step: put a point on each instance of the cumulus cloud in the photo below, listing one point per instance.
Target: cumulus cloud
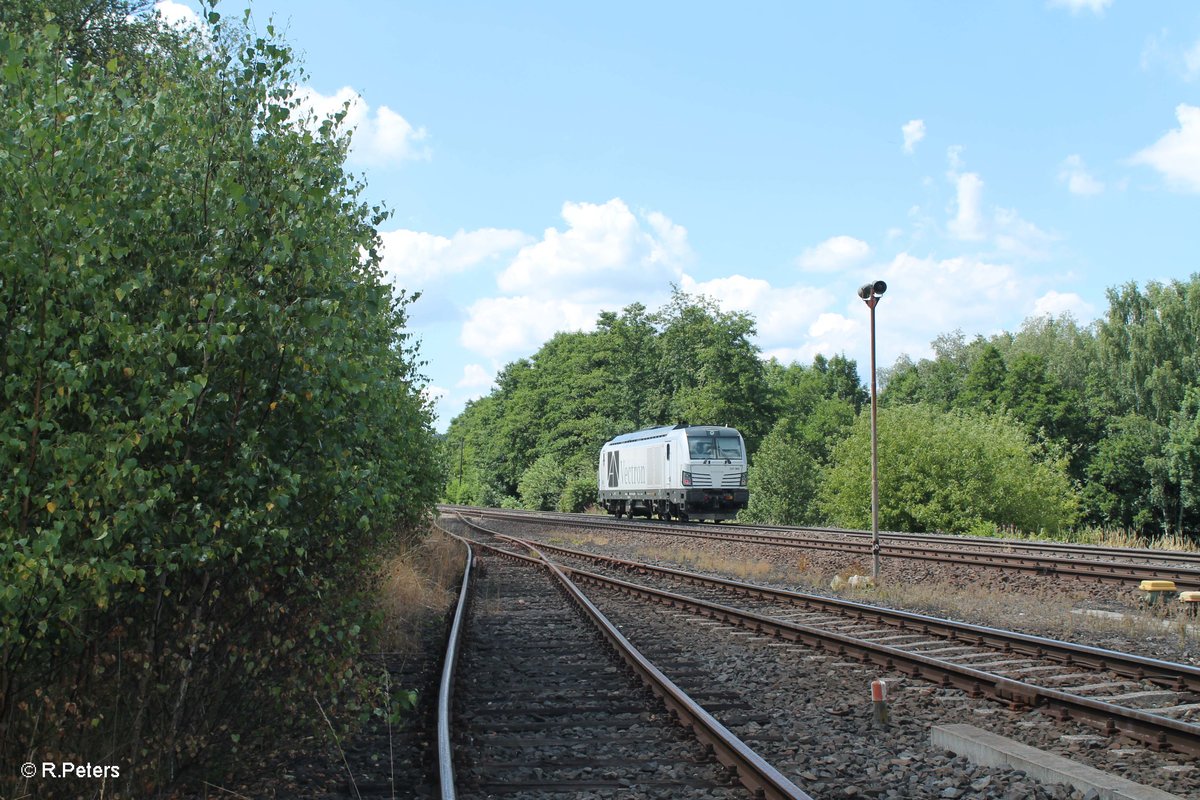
(834, 254)
(603, 251)
(1191, 62)
(782, 314)
(1001, 227)
(1075, 175)
(1177, 154)
(1019, 237)
(967, 223)
(381, 137)
(943, 294)
(1078, 6)
(177, 14)
(914, 131)
(475, 377)
(1055, 304)
(606, 257)
(414, 258)
(504, 326)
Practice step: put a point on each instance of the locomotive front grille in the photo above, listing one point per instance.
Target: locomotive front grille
(726, 480)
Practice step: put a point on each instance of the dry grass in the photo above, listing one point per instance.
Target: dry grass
(1106, 537)
(418, 585)
(741, 568)
(1048, 614)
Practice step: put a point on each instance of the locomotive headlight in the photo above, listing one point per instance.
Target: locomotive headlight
(687, 479)
(742, 479)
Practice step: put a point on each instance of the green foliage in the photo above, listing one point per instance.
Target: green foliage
(710, 371)
(1150, 347)
(578, 493)
(946, 471)
(1128, 473)
(210, 422)
(783, 481)
(542, 484)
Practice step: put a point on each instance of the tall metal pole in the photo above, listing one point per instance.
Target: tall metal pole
(874, 457)
(870, 294)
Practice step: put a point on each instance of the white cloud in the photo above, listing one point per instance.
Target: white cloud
(967, 223)
(954, 158)
(505, 326)
(1073, 172)
(1056, 304)
(1077, 6)
(1177, 154)
(782, 314)
(834, 254)
(177, 15)
(380, 138)
(1002, 227)
(914, 131)
(414, 258)
(943, 294)
(1191, 62)
(1019, 237)
(475, 377)
(603, 252)
(433, 393)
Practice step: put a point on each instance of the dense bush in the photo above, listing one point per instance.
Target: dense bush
(209, 419)
(950, 472)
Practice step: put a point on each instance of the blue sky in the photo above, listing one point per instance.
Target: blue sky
(545, 161)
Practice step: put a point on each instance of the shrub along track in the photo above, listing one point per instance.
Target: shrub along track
(544, 709)
(952, 681)
(1120, 566)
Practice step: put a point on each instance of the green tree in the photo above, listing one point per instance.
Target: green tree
(710, 368)
(783, 481)
(542, 484)
(1128, 475)
(1183, 460)
(210, 416)
(984, 385)
(946, 471)
(1149, 345)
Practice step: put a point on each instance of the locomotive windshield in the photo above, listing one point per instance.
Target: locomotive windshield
(719, 446)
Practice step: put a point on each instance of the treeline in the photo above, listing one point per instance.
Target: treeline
(1118, 402)
(210, 424)
(1047, 429)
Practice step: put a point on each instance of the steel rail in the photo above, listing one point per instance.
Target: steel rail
(1156, 731)
(754, 772)
(983, 543)
(1180, 677)
(1185, 578)
(1153, 730)
(446, 689)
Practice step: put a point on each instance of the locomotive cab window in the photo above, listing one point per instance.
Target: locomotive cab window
(708, 447)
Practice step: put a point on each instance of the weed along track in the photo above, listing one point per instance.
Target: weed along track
(792, 676)
(544, 708)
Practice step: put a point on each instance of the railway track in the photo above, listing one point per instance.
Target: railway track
(543, 708)
(1044, 559)
(1154, 702)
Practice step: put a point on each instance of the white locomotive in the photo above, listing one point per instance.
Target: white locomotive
(681, 472)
